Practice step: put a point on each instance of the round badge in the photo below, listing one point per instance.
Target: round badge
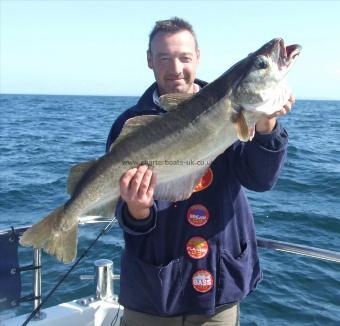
(202, 281)
(197, 247)
(197, 215)
(205, 181)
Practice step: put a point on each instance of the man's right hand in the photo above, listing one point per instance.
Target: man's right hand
(136, 189)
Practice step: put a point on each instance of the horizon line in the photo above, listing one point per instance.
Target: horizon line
(111, 95)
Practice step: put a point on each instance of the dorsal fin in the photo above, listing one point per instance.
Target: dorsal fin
(171, 101)
(133, 124)
(76, 173)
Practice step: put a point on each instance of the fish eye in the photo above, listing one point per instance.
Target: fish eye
(261, 62)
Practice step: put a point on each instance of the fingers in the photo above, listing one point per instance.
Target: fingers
(125, 180)
(152, 186)
(286, 108)
(145, 183)
(136, 181)
(291, 99)
(137, 185)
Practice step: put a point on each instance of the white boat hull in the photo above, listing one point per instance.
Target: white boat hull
(77, 312)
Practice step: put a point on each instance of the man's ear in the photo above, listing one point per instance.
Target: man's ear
(198, 54)
(149, 58)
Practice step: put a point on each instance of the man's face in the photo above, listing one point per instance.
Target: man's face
(174, 59)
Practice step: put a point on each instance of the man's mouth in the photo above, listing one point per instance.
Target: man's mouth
(174, 79)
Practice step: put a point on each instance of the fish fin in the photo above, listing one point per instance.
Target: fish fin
(60, 243)
(180, 188)
(76, 173)
(106, 210)
(171, 101)
(133, 124)
(252, 132)
(241, 126)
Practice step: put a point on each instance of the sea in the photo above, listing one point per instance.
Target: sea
(42, 136)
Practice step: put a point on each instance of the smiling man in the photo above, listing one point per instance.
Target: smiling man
(192, 261)
(174, 59)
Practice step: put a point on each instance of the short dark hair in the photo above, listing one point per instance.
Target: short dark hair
(172, 25)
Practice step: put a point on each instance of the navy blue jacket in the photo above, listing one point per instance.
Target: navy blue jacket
(192, 256)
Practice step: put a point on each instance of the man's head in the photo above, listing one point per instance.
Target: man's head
(173, 55)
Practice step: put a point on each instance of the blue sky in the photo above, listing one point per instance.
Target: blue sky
(99, 47)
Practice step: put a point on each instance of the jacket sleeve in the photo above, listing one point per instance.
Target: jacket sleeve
(131, 225)
(257, 163)
(125, 220)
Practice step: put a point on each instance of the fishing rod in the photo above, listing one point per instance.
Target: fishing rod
(37, 309)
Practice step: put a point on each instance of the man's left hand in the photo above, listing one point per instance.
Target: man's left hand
(267, 123)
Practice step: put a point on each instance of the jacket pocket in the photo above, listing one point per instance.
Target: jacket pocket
(235, 275)
(149, 288)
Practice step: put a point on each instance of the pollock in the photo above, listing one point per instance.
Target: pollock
(196, 128)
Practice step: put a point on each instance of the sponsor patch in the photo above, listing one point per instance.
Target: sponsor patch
(197, 215)
(197, 247)
(202, 281)
(205, 181)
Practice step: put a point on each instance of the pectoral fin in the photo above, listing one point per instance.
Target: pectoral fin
(241, 126)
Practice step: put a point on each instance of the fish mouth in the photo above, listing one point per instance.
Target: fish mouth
(287, 54)
(283, 55)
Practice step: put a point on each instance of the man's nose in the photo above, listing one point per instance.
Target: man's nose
(176, 66)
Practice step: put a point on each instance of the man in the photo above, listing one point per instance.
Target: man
(191, 262)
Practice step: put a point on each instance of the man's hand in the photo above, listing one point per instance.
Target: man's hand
(136, 189)
(267, 123)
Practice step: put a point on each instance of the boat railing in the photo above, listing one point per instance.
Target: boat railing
(9, 241)
(308, 251)
(104, 276)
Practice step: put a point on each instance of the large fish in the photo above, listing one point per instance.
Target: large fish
(179, 144)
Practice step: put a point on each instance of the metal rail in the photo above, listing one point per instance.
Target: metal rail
(308, 251)
(323, 254)
(37, 283)
(293, 248)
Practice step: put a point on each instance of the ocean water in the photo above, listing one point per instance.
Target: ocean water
(42, 136)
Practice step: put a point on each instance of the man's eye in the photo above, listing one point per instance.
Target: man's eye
(186, 59)
(164, 59)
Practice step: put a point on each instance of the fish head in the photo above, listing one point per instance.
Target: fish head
(261, 87)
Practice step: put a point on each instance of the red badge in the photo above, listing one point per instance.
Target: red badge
(197, 215)
(197, 247)
(202, 281)
(205, 181)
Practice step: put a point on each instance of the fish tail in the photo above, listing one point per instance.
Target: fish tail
(55, 241)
